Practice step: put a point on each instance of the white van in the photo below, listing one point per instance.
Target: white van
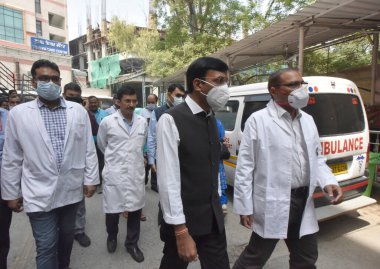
(339, 114)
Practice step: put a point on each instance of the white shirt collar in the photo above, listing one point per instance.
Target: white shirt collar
(281, 111)
(194, 107)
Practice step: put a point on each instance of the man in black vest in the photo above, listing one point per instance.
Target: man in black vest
(187, 160)
(174, 97)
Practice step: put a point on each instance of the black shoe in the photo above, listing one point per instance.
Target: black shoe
(83, 239)
(111, 245)
(154, 188)
(136, 253)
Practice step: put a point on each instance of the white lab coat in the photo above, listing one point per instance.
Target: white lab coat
(124, 170)
(264, 171)
(29, 167)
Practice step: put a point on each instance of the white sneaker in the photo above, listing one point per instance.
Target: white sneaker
(224, 207)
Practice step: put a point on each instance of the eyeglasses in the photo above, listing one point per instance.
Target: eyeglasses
(46, 78)
(130, 102)
(293, 85)
(179, 95)
(218, 80)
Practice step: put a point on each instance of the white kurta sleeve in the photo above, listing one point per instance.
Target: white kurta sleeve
(168, 171)
(91, 171)
(152, 142)
(101, 138)
(243, 187)
(13, 156)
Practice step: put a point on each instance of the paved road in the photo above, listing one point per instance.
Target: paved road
(348, 242)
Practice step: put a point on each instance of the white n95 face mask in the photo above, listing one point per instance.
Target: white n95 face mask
(298, 98)
(177, 100)
(218, 96)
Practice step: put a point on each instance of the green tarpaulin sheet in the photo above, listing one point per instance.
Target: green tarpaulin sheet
(104, 71)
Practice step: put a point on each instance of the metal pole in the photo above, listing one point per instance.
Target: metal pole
(301, 44)
(229, 68)
(185, 82)
(143, 92)
(22, 88)
(375, 53)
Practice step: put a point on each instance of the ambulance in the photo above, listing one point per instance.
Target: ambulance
(339, 114)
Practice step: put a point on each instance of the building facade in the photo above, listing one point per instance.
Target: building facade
(32, 30)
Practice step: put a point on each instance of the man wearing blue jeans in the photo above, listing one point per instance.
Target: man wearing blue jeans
(49, 162)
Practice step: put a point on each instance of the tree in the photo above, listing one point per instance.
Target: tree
(121, 34)
(195, 28)
(343, 56)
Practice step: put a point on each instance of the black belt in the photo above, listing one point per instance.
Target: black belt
(300, 191)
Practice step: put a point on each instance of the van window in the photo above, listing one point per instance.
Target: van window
(336, 114)
(249, 108)
(227, 115)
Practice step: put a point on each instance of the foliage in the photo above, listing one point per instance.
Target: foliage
(195, 28)
(121, 35)
(344, 56)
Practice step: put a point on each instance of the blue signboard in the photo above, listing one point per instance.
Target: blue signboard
(49, 45)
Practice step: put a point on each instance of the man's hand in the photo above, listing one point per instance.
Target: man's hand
(89, 190)
(335, 194)
(86, 104)
(153, 168)
(187, 250)
(246, 221)
(16, 205)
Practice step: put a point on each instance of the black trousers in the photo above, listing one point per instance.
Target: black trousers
(212, 252)
(100, 155)
(5, 223)
(153, 177)
(303, 251)
(133, 227)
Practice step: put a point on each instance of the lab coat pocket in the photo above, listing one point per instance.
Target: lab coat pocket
(259, 203)
(76, 178)
(277, 211)
(36, 186)
(78, 129)
(114, 177)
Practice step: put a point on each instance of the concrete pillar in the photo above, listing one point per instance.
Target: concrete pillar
(104, 49)
(81, 63)
(301, 45)
(375, 53)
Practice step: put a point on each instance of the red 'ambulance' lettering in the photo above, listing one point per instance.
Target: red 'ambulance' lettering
(340, 146)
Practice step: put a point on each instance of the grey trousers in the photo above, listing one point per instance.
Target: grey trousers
(80, 221)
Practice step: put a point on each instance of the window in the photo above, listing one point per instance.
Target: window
(336, 114)
(227, 115)
(11, 25)
(251, 107)
(253, 103)
(39, 28)
(57, 38)
(37, 4)
(56, 21)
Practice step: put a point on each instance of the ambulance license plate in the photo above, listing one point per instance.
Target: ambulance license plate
(339, 168)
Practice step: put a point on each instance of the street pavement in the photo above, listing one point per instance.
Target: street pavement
(350, 241)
